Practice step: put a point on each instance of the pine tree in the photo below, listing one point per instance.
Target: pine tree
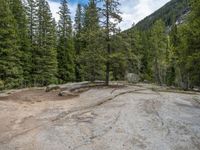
(159, 49)
(193, 42)
(44, 54)
(146, 57)
(120, 57)
(184, 40)
(10, 68)
(189, 47)
(78, 42)
(172, 58)
(136, 51)
(92, 55)
(78, 20)
(19, 14)
(31, 10)
(32, 18)
(111, 12)
(66, 66)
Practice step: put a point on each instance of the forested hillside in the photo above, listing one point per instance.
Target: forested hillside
(169, 14)
(35, 50)
(168, 56)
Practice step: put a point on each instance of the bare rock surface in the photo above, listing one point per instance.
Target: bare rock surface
(140, 117)
(67, 93)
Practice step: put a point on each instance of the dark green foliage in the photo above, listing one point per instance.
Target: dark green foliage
(92, 63)
(65, 61)
(168, 55)
(78, 42)
(19, 13)
(123, 57)
(32, 17)
(193, 41)
(92, 54)
(189, 48)
(44, 53)
(171, 13)
(110, 12)
(173, 41)
(66, 65)
(158, 48)
(11, 74)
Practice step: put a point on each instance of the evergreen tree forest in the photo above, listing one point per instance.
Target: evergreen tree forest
(35, 50)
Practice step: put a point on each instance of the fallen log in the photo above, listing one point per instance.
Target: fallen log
(76, 88)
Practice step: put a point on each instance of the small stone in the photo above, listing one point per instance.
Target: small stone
(67, 93)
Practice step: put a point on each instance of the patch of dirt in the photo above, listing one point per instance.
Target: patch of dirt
(39, 95)
(36, 95)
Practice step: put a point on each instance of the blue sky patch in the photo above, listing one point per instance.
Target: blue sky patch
(72, 1)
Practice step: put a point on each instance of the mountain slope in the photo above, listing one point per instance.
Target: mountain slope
(169, 13)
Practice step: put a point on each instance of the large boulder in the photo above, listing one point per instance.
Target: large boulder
(132, 78)
(196, 88)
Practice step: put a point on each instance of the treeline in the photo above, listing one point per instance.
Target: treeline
(169, 57)
(35, 50)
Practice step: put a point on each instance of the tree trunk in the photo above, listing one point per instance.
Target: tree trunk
(108, 44)
(157, 71)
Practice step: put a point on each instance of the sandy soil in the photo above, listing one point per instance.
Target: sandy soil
(126, 118)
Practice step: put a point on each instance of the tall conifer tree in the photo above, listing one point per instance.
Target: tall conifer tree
(32, 17)
(92, 55)
(78, 42)
(111, 14)
(159, 49)
(193, 42)
(10, 67)
(19, 13)
(44, 54)
(66, 66)
(31, 9)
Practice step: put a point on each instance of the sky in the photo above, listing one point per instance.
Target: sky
(132, 10)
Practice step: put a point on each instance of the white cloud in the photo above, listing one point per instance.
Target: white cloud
(132, 10)
(55, 8)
